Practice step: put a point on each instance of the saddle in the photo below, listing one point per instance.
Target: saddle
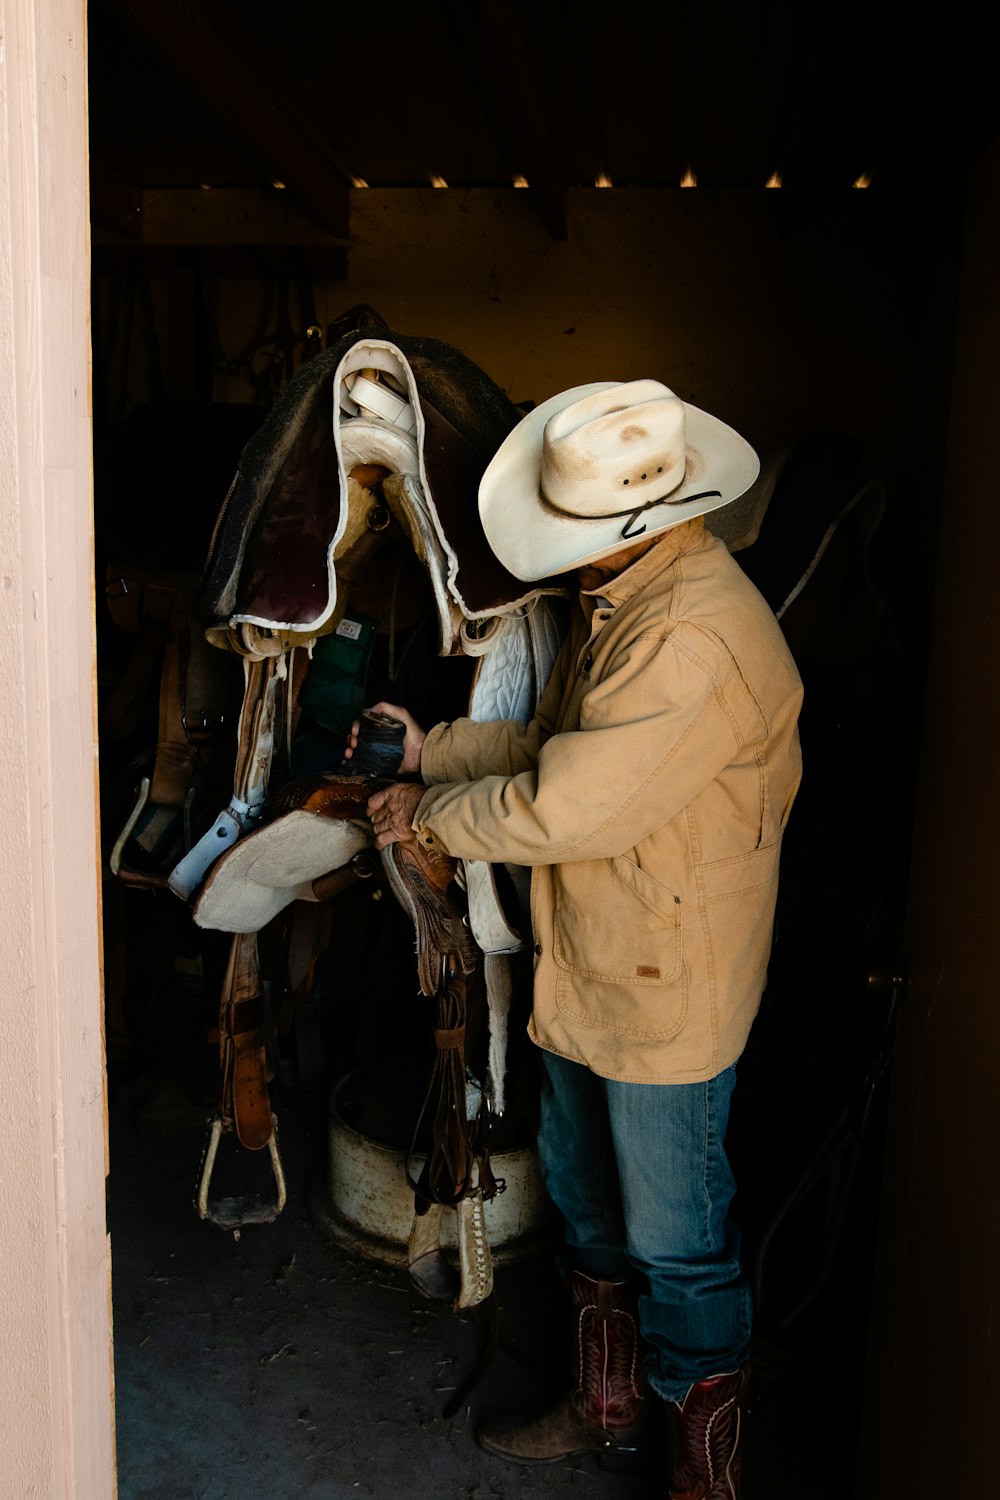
(414, 422)
(352, 520)
(313, 840)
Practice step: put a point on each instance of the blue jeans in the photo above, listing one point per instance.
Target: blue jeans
(640, 1175)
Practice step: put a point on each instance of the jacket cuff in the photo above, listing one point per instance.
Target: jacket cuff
(425, 834)
(431, 762)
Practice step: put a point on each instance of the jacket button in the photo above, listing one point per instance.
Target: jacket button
(538, 949)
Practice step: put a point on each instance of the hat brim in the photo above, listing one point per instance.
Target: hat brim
(534, 541)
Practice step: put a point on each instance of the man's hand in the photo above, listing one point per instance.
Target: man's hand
(392, 811)
(413, 740)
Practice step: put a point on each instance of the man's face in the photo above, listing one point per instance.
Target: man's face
(592, 575)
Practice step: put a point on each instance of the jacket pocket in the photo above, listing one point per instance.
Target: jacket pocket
(615, 924)
(723, 878)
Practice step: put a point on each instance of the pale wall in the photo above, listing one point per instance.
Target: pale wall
(56, 1437)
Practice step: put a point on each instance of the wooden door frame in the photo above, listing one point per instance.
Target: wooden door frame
(56, 1376)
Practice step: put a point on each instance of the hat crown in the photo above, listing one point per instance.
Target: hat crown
(614, 450)
(596, 467)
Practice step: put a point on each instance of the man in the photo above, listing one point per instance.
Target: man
(649, 795)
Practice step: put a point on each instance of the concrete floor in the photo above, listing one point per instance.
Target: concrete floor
(280, 1364)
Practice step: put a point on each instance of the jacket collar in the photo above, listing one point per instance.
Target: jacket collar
(625, 585)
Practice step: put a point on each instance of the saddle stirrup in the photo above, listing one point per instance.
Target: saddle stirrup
(232, 1213)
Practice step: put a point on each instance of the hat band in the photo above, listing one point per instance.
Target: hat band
(634, 513)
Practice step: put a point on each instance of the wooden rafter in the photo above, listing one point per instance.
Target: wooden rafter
(224, 68)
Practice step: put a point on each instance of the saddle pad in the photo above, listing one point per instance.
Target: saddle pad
(491, 926)
(516, 659)
(274, 866)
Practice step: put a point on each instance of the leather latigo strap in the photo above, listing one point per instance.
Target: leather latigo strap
(423, 881)
(244, 1105)
(446, 1176)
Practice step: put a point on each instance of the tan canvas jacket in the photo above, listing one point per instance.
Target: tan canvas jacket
(649, 795)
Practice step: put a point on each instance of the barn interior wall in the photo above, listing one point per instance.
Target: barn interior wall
(784, 315)
(934, 1328)
(779, 312)
(741, 302)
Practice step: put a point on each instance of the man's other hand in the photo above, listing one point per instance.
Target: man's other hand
(413, 739)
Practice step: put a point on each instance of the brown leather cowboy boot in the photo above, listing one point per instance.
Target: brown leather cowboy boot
(604, 1410)
(705, 1458)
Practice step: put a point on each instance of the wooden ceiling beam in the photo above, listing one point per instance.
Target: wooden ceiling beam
(211, 60)
(222, 216)
(236, 229)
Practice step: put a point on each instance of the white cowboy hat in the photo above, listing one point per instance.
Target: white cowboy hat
(601, 466)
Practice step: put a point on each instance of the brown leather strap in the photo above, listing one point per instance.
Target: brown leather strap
(300, 1013)
(194, 693)
(139, 596)
(246, 1015)
(251, 1103)
(244, 1105)
(308, 934)
(121, 710)
(143, 604)
(175, 755)
(447, 1173)
(256, 731)
(326, 886)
